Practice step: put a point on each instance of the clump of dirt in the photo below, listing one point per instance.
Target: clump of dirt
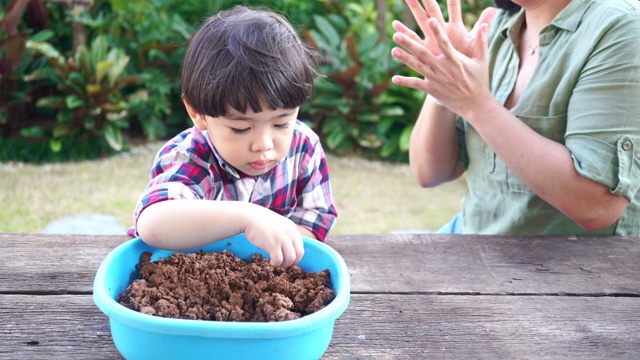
(223, 287)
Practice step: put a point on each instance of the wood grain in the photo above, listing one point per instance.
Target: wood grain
(413, 297)
(374, 326)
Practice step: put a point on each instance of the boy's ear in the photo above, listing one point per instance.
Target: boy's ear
(197, 118)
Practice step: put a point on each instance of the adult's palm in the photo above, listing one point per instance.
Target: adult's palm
(459, 37)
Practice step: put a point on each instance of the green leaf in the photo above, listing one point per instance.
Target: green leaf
(89, 123)
(48, 51)
(71, 87)
(55, 145)
(327, 30)
(368, 117)
(63, 129)
(403, 142)
(339, 23)
(324, 85)
(98, 49)
(335, 139)
(116, 71)
(33, 132)
(388, 111)
(83, 59)
(333, 123)
(73, 102)
(50, 102)
(64, 116)
(327, 101)
(92, 88)
(102, 67)
(113, 135)
(389, 148)
(157, 54)
(42, 73)
(367, 44)
(42, 36)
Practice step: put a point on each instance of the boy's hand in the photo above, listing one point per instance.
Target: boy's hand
(276, 235)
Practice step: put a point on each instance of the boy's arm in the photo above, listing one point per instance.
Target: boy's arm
(187, 224)
(306, 232)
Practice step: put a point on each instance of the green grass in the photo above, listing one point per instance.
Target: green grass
(370, 196)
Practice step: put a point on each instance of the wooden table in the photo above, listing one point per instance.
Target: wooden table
(413, 297)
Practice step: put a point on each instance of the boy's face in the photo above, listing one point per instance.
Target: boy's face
(251, 142)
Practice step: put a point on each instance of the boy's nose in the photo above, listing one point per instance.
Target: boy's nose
(262, 143)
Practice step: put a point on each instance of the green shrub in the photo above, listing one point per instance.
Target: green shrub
(89, 103)
(355, 107)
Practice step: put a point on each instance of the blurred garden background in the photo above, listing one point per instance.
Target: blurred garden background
(89, 89)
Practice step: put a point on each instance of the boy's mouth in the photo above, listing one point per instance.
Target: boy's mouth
(261, 164)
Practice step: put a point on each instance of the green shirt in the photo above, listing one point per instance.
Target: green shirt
(585, 94)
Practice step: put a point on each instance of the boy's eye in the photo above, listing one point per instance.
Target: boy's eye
(239, 131)
(282, 126)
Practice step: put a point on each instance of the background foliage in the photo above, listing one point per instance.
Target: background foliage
(81, 79)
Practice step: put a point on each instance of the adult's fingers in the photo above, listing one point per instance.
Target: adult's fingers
(455, 11)
(419, 14)
(487, 16)
(442, 40)
(433, 10)
(402, 28)
(411, 82)
(481, 41)
(415, 56)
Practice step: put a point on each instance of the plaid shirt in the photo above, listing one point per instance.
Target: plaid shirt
(189, 167)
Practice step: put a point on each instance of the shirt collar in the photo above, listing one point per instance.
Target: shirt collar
(223, 164)
(568, 19)
(571, 16)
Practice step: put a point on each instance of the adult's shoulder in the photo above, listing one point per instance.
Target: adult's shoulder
(614, 12)
(616, 23)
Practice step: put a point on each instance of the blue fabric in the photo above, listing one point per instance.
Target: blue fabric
(454, 226)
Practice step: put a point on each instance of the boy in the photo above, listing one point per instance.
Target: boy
(247, 165)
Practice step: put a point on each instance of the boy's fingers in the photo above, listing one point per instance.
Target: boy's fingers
(298, 246)
(289, 256)
(276, 257)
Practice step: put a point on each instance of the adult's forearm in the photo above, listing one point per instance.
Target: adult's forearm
(547, 168)
(433, 148)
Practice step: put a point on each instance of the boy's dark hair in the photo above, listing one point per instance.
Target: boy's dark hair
(243, 55)
(506, 5)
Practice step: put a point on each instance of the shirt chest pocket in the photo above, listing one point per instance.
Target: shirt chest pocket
(551, 127)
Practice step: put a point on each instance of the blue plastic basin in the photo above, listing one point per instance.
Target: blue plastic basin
(140, 336)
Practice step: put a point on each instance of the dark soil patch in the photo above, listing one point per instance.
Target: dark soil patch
(222, 287)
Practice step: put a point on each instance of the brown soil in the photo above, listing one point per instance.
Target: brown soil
(212, 286)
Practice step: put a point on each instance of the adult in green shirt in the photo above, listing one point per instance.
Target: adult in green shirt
(539, 105)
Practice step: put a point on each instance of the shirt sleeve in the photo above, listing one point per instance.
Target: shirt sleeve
(176, 175)
(315, 209)
(603, 126)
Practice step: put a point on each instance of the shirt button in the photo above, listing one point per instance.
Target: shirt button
(626, 145)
